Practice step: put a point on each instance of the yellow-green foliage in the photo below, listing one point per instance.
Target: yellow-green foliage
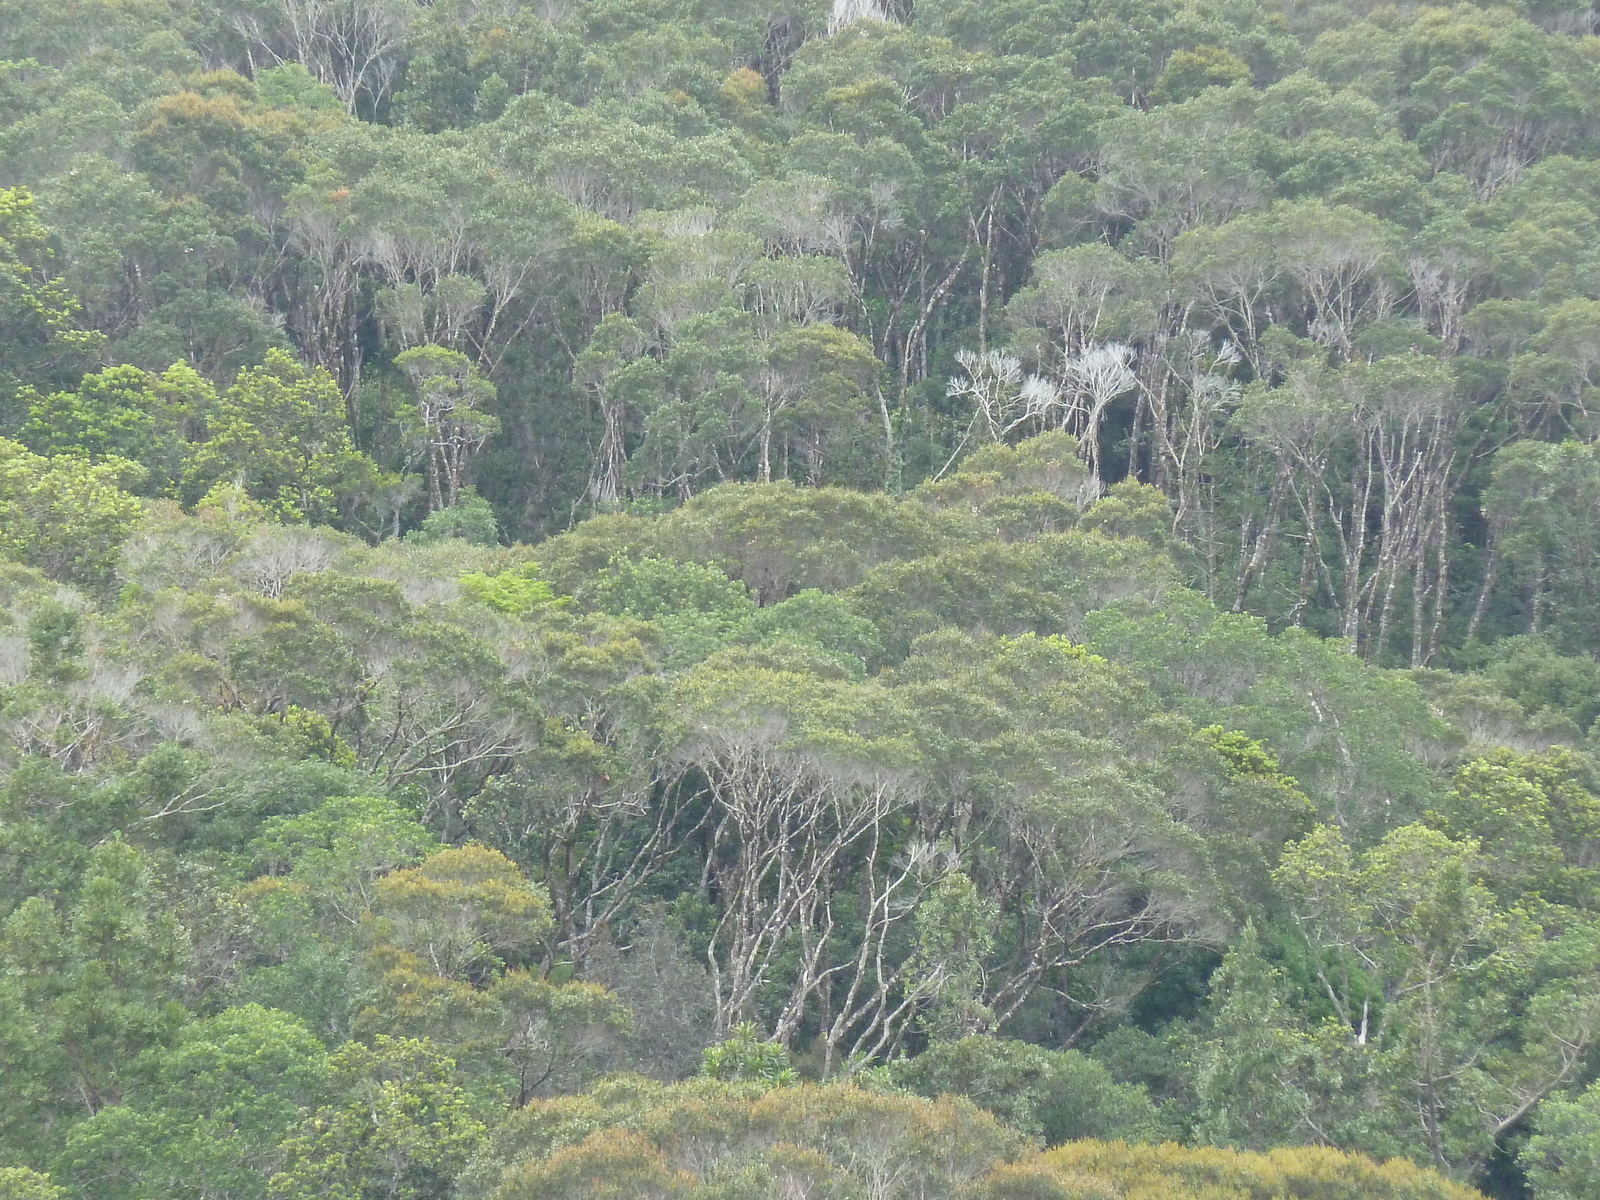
(1092, 1170)
(518, 591)
(706, 1139)
(461, 907)
(66, 516)
(20, 1183)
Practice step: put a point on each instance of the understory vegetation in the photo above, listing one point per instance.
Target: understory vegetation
(728, 599)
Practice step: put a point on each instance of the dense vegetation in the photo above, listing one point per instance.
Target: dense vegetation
(718, 598)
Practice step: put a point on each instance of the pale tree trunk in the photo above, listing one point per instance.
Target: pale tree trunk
(764, 470)
(782, 834)
(611, 457)
(987, 241)
(848, 12)
(1259, 544)
(1491, 576)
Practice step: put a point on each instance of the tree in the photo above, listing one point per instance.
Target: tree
(1085, 295)
(437, 950)
(1049, 837)
(746, 1056)
(1519, 98)
(624, 385)
(1539, 500)
(451, 396)
(24, 1183)
(63, 515)
(814, 386)
(1189, 72)
(1182, 1172)
(1384, 522)
(803, 776)
(469, 518)
(280, 433)
(1407, 942)
(1162, 175)
(1056, 1096)
(124, 413)
(1255, 1067)
(1561, 1155)
(462, 912)
(554, 1037)
(86, 988)
(954, 938)
(1536, 820)
(749, 1137)
(353, 47)
(298, 924)
(208, 1113)
(399, 1128)
(38, 315)
(112, 413)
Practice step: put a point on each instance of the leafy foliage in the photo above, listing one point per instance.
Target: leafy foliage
(930, 578)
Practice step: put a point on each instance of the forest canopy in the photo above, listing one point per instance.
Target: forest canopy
(756, 598)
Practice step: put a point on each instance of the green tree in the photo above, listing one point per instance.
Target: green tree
(38, 315)
(299, 922)
(66, 516)
(1183, 1172)
(207, 1114)
(123, 412)
(746, 1055)
(1561, 1157)
(954, 938)
(1189, 72)
(470, 518)
(399, 1128)
(86, 988)
(24, 1183)
(1408, 945)
(451, 400)
(832, 1140)
(1537, 821)
(1253, 1070)
(1541, 499)
(280, 433)
(1054, 1095)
